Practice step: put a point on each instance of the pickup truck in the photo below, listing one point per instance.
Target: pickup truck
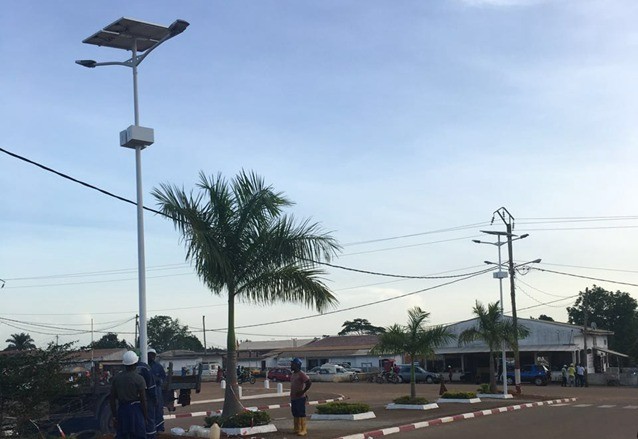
(530, 373)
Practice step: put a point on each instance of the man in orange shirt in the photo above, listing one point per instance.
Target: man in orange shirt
(299, 385)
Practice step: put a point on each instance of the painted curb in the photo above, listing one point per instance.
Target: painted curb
(262, 407)
(495, 396)
(268, 428)
(447, 419)
(354, 417)
(459, 400)
(394, 406)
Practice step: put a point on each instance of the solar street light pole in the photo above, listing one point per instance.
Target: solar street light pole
(135, 35)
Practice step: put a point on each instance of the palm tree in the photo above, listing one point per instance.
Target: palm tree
(413, 339)
(242, 244)
(492, 329)
(20, 342)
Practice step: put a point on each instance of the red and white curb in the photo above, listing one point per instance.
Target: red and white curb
(261, 407)
(447, 419)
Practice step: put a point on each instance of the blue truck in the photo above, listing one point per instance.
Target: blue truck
(537, 374)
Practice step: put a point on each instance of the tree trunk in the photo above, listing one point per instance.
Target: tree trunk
(493, 373)
(412, 379)
(232, 405)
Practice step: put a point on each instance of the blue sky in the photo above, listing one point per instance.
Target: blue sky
(379, 119)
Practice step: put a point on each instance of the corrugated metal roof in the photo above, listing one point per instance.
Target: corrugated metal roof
(480, 349)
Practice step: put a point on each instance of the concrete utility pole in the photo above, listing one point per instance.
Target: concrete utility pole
(508, 219)
(204, 327)
(585, 334)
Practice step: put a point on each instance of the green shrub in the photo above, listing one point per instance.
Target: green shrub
(246, 418)
(410, 401)
(484, 388)
(342, 408)
(458, 395)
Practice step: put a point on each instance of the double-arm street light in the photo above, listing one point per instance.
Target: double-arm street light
(500, 275)
(138, 37)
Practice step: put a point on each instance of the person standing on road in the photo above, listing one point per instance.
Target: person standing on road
(563, 374)
(299, 385)
(580, 375)
(571, 373)
(151, 398)
(159, 374)
(449, 373)
(128, 400)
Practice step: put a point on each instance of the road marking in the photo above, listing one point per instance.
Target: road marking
(583, 405)
(631, 407)
(606, 406)
(560, 405)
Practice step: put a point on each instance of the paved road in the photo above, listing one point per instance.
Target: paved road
(598, 412)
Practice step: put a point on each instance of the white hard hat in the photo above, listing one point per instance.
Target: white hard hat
(152, 351)
(130, 358)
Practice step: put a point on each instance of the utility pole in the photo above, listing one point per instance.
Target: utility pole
(508, 219)
(204, 326)
(585, 334)
(137, 324)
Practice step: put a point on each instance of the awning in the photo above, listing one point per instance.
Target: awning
(522, 348)
(609, 351)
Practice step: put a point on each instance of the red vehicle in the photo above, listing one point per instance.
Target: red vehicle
(279, 374)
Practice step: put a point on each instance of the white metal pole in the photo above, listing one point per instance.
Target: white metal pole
(141, 266)
(500, 285)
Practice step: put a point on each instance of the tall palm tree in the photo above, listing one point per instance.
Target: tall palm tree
(20, 342)
(413, 339)
(241, 244)
(494, 330)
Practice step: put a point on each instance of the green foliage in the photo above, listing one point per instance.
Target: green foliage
(109, 341)
(408, 400)
(240, 420)
(545, 317)
(165, 334)
(613, 311)
(413, 339)
(360, 327)
(31, 381)
(19, 342)
(342, 408)
(492, 329)
(484, 388)
(241, 244)
(458, 395)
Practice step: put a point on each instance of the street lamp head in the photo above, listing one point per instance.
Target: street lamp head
(177, 27)
(537, 261)
(524, 236)
(490, 263)
(86, 63)
(476, 241)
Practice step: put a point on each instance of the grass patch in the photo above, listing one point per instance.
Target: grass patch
(342, 408)
(407, 400)
(458, 395)
(241, 420)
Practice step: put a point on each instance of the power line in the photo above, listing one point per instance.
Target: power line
(583, 277)
(358, 306)
(400, 276)
(450, 229)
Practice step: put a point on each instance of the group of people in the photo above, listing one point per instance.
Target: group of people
(573, 376)
(137, 403)
(137, 400)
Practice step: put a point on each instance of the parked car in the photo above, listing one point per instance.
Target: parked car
(530, 373)
(279, 374)
(420, 375)
(332, 372)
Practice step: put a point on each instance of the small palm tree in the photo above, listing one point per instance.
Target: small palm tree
(20, 342)
(495, 331)
(413, 339)
(242, 244)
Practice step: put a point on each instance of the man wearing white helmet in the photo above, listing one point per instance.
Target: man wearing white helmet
(128, 400)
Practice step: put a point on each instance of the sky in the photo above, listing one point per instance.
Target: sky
(399, 126)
